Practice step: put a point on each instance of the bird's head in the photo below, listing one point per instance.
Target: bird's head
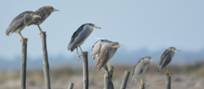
(147, 60)
(115, 45)
(92, 26)
(173, 49)
(49, 8)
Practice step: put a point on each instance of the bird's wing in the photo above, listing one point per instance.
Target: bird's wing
(163, 56)
(134, 67)
(96, 49)
(133, 70)
(103, 57)
(138, 70)
(76, 33)
(17, 22)
(167, 59)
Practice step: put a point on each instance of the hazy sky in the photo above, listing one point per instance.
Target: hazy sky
(136, 24)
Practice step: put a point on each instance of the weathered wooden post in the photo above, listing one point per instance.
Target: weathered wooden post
(24, 63)
(142, 85)
(108, 84)
(85, 70)
(168, 85)
(46, 68)
(71, 86)
(125, 80)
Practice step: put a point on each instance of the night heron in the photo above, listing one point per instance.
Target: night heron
(24, 19)
(141, 67)
(81, 35)
(166, 57)
(44, 12)
(103, 50)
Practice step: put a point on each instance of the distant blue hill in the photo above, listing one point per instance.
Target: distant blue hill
(122, 56)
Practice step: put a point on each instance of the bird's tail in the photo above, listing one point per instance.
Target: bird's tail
(158, 67)
(70, 47)
(8, 32)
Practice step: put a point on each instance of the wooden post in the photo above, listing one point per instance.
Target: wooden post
(106, 81)
(168, 76)
(125, 80)
(85, 70)
(71, 86)
(24, 63)
(46, 68)
(142, 84)
(108, 84)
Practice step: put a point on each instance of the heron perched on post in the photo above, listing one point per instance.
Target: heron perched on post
(166, 58)
(80, 35)
(44, 12)
(141, 67)
(24, 19)
(103, 50)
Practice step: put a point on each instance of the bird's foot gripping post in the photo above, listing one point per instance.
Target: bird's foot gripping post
(168, 73)
(46, 68)
(108, 83)
(24, 62)
(85, 70)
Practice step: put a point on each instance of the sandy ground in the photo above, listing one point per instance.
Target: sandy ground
(153, 81)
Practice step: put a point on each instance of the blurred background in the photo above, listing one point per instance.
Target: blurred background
(143, 28)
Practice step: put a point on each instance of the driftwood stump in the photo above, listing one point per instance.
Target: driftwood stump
(24, 63)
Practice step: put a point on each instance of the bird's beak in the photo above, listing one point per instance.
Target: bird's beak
(97, 27)
(178, 50)
(116, 46)
(56, 10)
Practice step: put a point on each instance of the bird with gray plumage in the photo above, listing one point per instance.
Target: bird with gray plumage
(102, 51)
(166, 57)
(24, 19)
(141, 67)
(44, 12)
(80, 35)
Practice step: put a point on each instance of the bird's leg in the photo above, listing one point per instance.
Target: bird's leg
(81, 49)
(22, 38)
(77, 51)
(40, 28)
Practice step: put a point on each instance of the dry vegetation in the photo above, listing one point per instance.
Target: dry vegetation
(185, 77)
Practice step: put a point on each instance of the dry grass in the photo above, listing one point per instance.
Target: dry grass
(185, 77)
